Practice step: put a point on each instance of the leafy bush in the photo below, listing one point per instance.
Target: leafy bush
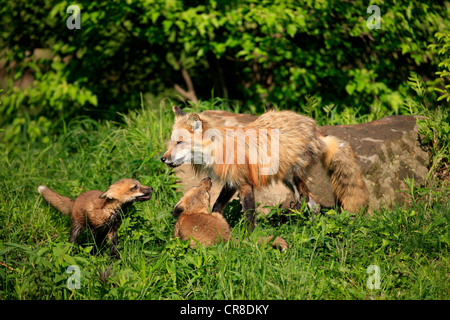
(259, 53)
(434, 126)
(442, 49)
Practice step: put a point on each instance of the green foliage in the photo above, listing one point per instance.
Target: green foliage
(442, 49)
(434, 125)
(258, 53)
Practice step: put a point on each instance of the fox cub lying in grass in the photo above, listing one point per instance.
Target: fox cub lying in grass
(197, 223)
(97, 210)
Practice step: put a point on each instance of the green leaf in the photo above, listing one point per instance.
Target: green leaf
(69, 259)
(291, 29)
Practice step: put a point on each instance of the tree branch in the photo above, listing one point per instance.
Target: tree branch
(190, 93)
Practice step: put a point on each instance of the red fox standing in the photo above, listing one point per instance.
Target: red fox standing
(244, 164)
(100, 211)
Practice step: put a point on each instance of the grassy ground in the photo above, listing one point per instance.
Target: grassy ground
(329, 257)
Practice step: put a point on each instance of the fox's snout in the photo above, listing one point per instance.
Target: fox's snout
(146, 190)
(168, 162)
(146, 193)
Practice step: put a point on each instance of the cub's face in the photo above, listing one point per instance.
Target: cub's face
(128, 190)
(196, 200)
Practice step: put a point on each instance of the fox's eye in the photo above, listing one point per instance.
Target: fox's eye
(179, 142)
(134, 188)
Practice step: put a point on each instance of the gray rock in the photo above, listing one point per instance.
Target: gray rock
(388, 151)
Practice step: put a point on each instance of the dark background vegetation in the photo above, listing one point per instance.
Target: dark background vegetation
(257, 54)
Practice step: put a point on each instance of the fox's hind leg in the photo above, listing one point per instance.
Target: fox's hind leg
(301, 189)
(75, 231)
(248, 205)
(113, 239)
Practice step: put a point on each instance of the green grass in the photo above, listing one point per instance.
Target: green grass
(328, 257)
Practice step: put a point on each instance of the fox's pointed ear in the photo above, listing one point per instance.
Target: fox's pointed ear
(194, 121)
(103, 195)
(206, 182)
(178, 112)
(177, 210)
(106, 195)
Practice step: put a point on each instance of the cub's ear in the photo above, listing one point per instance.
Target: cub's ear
(107, 195)
(194, 122)
(206, 183)
(178, 112)
(177, 210)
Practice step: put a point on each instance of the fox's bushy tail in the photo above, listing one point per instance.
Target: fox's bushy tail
(339, 159)
(59, 202)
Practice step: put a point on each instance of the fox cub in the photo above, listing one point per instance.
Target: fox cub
(197, 223)
(97, 210)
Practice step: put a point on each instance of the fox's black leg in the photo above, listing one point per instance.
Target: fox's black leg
(112, 235)
(99, 238)
(248, 205)
(223, 198)
(75, 231)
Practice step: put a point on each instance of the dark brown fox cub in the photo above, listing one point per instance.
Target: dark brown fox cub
(196, 223)
(97, 210)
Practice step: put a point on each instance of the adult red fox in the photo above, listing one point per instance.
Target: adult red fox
(278, 145)
(197, 224)
(100, 211)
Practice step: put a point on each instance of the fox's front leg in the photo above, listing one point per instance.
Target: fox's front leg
(223, 198)
(248, 205)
